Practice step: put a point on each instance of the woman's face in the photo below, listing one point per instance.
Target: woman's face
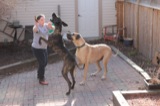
(41, 21)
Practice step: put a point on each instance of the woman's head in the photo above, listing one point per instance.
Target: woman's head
(40, 19)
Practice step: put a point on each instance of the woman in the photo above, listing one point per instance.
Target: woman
(40, 29)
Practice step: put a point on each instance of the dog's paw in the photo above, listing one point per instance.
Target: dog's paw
(82, 83)
(72, 87)
(103, 78)
(93, 74)
(40, 42)
(67, 93)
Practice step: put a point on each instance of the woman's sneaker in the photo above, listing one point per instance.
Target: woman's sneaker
(43, 82)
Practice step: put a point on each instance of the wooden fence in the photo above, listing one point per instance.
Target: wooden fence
(143, 25)
(120, 15)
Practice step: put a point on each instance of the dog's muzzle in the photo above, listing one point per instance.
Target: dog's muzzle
(69, 37)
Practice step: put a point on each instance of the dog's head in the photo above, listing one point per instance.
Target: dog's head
(58, 22)
(76, 38)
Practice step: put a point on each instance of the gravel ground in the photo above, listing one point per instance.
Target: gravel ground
(144, 100)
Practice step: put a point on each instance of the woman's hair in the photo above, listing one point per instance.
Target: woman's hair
(39, 16)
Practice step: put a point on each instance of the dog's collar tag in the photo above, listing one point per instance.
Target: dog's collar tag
(80, 46)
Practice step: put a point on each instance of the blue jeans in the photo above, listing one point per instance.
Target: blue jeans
(42, 58)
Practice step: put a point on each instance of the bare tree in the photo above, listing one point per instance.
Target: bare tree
(6, 6)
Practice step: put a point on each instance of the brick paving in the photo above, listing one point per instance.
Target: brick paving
(23, 89)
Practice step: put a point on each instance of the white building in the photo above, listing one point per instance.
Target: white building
(84, 16)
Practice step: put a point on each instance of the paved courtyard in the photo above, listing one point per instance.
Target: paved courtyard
(23, 89)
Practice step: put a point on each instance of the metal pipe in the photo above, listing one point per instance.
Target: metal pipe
(59, 10)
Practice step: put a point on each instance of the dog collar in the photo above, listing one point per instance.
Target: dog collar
(80, 46)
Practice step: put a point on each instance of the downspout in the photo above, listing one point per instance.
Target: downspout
(137, 23)
(124, 32)
(152, 49)
(76, 16)
(100, 17)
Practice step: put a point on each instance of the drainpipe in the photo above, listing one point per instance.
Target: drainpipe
(137, 24)
(59, 10)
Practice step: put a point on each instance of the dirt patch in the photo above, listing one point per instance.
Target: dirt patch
(11, 53)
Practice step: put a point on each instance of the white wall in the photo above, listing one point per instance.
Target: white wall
(25, 11)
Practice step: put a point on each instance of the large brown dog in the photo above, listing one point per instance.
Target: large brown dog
(87, 54)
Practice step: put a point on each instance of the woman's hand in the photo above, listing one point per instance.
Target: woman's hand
(36, 24)
(35, 28)
(50, 26)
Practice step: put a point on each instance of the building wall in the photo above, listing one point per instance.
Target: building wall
(25, 10)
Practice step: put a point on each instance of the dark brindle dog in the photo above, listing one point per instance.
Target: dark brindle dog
(56, 43)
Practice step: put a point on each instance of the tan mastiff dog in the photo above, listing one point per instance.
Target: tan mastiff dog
(87, 53)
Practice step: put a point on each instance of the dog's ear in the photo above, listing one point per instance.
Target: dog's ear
(54, 15)
(64, 24)
(78, 37)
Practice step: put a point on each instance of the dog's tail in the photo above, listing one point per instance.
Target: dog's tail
(117, 52)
